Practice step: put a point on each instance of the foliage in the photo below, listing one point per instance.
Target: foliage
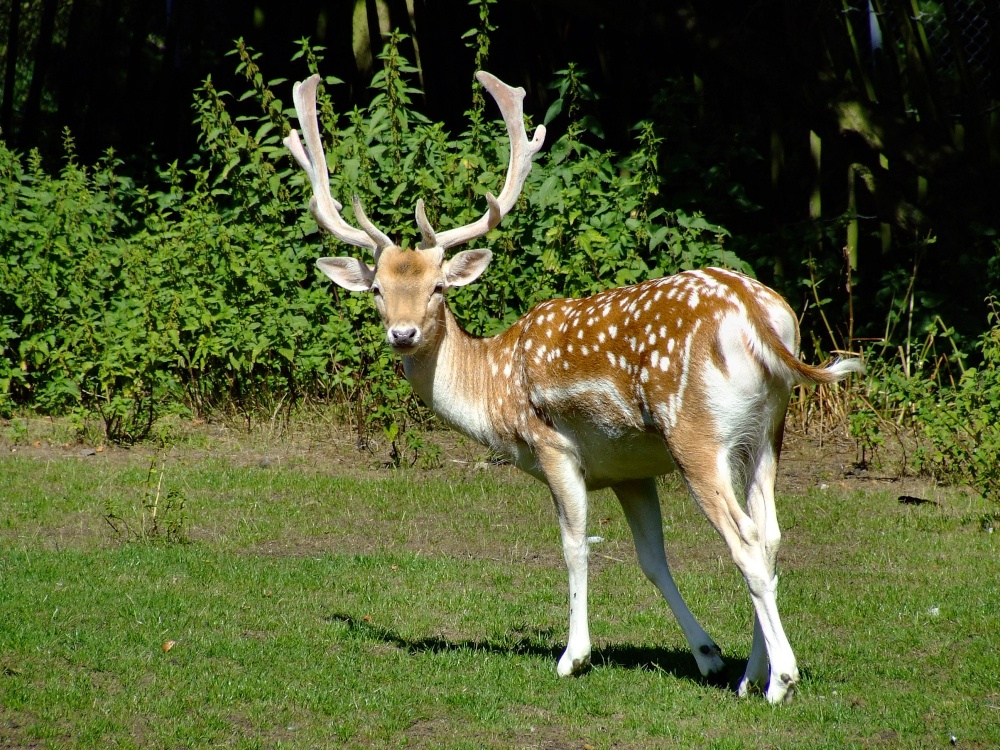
(803, 131)
(955, 424)
(77, 305)
(129, 301)
(960, 424)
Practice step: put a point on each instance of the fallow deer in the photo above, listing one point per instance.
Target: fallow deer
(690, 372)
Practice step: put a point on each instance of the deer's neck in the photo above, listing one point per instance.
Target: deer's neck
(452, 379)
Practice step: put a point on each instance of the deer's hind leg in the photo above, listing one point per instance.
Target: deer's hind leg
(641, 504)
(761, 507)
(713, 472)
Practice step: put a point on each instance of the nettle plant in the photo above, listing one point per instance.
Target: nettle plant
(126, 302)
(593, 221)
(960, 442)
(945, 424)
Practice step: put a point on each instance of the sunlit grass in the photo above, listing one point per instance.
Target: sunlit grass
(313, 609)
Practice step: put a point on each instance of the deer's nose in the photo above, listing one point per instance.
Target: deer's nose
(403, 337)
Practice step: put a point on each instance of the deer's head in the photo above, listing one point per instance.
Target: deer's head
(409, 285)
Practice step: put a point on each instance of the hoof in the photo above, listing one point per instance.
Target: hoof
(782, 689)
(748, 686)
(709, 659)
(573, 667)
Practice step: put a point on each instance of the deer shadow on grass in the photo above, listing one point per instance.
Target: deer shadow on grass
(538, 643)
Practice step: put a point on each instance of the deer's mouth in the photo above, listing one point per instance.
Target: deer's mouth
(404, 349)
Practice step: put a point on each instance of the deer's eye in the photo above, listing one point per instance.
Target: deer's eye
(439, 288)
(377, 290)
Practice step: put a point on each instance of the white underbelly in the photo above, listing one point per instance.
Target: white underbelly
(607, 460)
(645, 455)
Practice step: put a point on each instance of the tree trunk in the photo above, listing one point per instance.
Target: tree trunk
(68, 77)
(43, 58)
(10, 75)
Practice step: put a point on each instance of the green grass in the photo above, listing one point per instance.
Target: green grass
(427, 609)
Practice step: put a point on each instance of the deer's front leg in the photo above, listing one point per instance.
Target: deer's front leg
(569, 491)
(642, 510)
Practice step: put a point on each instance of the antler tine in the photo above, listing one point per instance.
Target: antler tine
(312, 159)
(426, 230)
(522, 151)
(381, 239)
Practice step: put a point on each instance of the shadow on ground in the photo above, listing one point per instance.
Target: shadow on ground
(672, 661)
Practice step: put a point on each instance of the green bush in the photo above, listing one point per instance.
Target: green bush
(127, 302)
(954, 425)
(960, 425)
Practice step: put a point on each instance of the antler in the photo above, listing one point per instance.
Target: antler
(522, 151)
(312, 158)
(326, 209)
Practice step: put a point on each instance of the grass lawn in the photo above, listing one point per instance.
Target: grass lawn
(317, 601)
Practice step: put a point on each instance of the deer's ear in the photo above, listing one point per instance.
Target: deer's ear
(350, 273)
(466, 266)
